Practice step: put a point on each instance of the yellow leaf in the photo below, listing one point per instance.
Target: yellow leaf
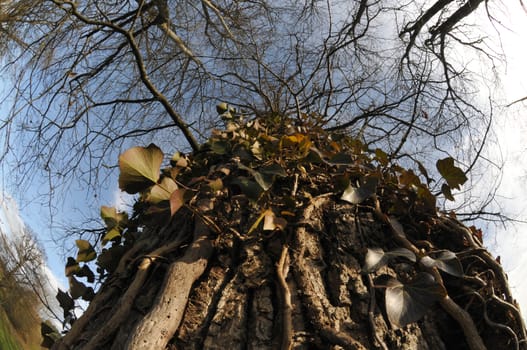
(161, 191)
(112, 218)
(111, 234)
(139, 168)
(86, 251)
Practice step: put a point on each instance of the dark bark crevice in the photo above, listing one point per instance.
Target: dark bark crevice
(236, 302)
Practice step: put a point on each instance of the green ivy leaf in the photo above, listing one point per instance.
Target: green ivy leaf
(248, 187)
(341, 158)
(408, 178)
(49, 334)
(367, 187)
(85, 271)
(140, 168)
(179, 160)
(264, 180)
(219, 147)
(423, 171)
(109, 258)
(381, 156)
(111, 235)
(444, 260)
(377, 258)
(408, 302)
(79, 290)
(273, 169)
(454, 176)
(429, 200)
(215, 185)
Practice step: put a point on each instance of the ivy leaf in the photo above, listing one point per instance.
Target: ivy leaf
(179, 160)
(446, 261)
(215, 185)
(139, 168)
(111, 235)
(341, 182)
(65, 301)
(408, 178)
(248, 187)
(85, 271)
(79, 289)
(408, 302)
(423, 171)
(86, 251)
(109, 258)
(429, 200)
(381, 156)
(257, 150)
(177, 200)
(49, 335)
(377, 258)
(72, 266)
(367, 187)
(298, 141)
(161, 191)
(273, 169)
(454, 176)
(219, 147)
(447, 192)
(341, 158)
(264, 180)
(112, 218)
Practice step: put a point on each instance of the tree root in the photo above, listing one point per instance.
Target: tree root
(156, 329)
(454, 310)
(465, 321)
(127, 300)
(371, 314)
(282, 268)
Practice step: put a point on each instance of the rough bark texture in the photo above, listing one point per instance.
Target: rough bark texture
(237, 302)
(214, 277)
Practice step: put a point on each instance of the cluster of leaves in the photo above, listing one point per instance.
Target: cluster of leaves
(277, 166)
(410, 296)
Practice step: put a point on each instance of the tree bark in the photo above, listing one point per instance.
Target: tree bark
(300, 289)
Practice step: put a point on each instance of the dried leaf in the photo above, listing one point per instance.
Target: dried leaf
(454, 176)
(177, 200)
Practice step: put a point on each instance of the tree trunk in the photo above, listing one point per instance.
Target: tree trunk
(233, 298)
(214, 278)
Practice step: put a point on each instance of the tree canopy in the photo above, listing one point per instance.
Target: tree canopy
(92, 78)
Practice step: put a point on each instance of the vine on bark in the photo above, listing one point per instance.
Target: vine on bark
(280, 171)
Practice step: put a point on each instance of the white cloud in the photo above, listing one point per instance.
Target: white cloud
(510, 242)
(122, 201)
